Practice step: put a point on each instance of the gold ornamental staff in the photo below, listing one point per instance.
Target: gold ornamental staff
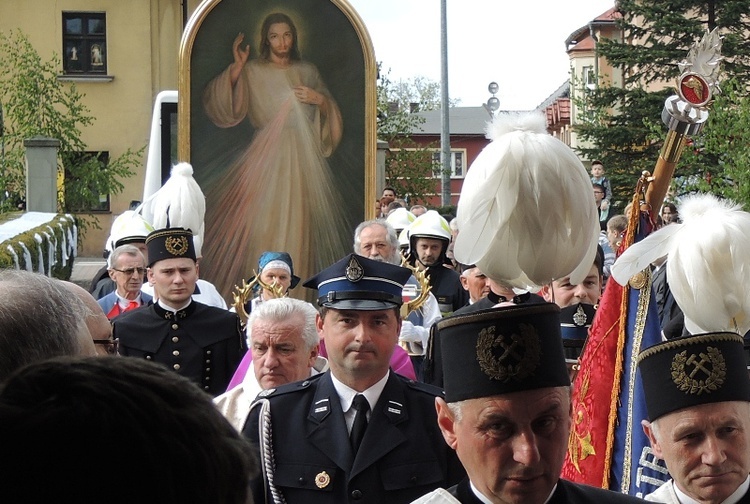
(685, 114)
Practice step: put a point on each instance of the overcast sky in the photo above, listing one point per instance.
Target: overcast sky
(520, 44)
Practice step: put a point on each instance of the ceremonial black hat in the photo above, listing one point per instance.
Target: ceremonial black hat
(358, 283)
(502, 350)
(170, 243)
(693, 370)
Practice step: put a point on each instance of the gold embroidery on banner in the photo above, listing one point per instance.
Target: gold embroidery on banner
(696, 374)
(580, 445)
(176, 245)
(519, 358)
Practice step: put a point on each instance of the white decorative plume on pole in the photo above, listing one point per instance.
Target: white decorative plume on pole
(527, 213)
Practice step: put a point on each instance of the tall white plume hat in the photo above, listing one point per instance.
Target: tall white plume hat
(708, 266)
(178, 203)
(527, 213)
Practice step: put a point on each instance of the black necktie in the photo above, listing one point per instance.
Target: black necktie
(360, 421)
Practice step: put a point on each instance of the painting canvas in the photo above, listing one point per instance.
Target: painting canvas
(280, 96)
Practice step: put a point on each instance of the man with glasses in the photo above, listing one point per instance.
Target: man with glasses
(601, 206)
(127, 271)
(39, 319)
(96, 322)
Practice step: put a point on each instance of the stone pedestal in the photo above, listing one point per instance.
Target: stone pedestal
(41, 174)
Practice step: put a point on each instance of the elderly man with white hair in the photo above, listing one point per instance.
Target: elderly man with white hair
(377, 240)
(284, 344)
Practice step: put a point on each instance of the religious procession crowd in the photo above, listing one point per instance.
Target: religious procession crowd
(413, 377)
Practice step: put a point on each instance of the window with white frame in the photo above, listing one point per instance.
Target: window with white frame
(458, 163)
(84, 43)
(589, 77)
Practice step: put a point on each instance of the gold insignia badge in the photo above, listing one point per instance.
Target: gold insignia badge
(322, 479)
(639, 280)
(699, 373)
(176, 245)
(354, 271)
(504, 357)
(579, 317)
(694, 89)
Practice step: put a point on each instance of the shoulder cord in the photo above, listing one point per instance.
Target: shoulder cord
(265, 439)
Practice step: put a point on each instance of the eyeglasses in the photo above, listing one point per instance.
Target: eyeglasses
(110, 345)
(130, 271)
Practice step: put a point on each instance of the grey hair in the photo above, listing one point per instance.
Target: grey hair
(285, 310)
(39, 320)
(656, 429)
(456, 409)
(391, 237)
(129, 250)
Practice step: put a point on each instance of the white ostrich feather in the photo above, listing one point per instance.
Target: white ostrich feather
(640, 255)
(178, 203)
(708, 269)
(526, 214)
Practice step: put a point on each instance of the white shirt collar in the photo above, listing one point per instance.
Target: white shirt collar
(732, 499)
(124, 302)
(346, 394)
(173, 310)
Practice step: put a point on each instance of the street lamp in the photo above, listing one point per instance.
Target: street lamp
(493, 104)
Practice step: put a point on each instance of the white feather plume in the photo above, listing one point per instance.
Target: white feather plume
(526, 214)
(708, 269)
(178, 203)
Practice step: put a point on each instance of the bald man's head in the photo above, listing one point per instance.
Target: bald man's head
(39, 320)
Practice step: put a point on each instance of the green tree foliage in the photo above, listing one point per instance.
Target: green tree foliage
(624, 124)
(408, 166)
(719, 160)
(36, 103)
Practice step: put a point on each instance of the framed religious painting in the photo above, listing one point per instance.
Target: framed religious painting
(277, 116)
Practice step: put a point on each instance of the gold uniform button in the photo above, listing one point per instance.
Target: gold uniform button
(176, 353)
(208, 352)
(208, 369)
(175, 339)
(148, 357)
(175, 326)
(176, 367)
(208, 361)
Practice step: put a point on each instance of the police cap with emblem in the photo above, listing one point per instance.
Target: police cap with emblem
(693, 370)
(170, 243)
(358, 283)
(575, 321)
(502, 350)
